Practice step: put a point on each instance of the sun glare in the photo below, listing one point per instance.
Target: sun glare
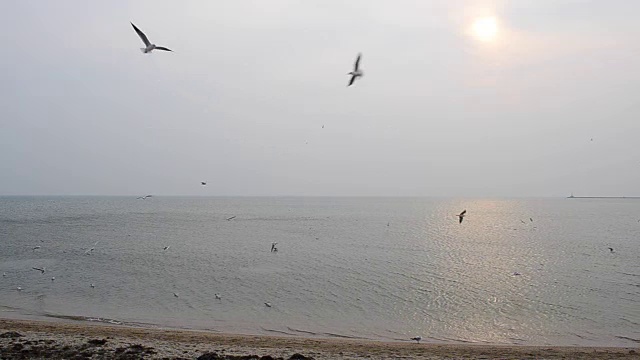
(485, 28)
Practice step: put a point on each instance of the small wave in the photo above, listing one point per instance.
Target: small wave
(303, 331)
(344, 336)
(628, 338)
(85, 318)
(277, 331)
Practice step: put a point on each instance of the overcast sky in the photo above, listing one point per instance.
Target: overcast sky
(446, 107)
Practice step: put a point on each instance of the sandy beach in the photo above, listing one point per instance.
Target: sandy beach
(25, 339)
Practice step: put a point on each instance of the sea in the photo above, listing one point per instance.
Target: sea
(534, 271)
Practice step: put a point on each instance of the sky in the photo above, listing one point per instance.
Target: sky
(519, 98)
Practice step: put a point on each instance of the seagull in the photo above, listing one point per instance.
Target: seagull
(231, 218)
(19, 288)
(268, 304)
(143, 197)
(610, 249)
(522, 221)
(203, 183)
(53, 278)
(42, 270)
(90, 250)
(323, 126)
(356, 73)
(531, 219)
(461, 215)
(92, 285)
(516, 274)
(166, 247)
(273, 247)
(4, 274)
(218, 296)
(175, 294)
(417, 339)
(149, 47)
(36, 247)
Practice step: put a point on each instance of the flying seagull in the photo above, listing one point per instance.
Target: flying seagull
(149, 47)
(144, 197)
(166, 247)
(522, 221)
(218, 296)
(36, 247)
(53, 278)
(42, 270)
(267, 304)
(93, 285)
(231, 218)
(90, 250)
(203, 183)
(610, 249)
(19, 288)
(4, 274)
(461, 215)
(273, 247)
(175, 294)
(356, 73)
(417, 339)
(531, 219)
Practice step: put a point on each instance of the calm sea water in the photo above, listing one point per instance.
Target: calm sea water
(373, 268)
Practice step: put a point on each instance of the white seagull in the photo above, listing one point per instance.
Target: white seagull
(149, 47)
(36, 247)
(93, 285)
(176, 294)
(218, 296)
(273, 247)
(268, 304)
(53, 278)
(417, 339)
(166, 247)
(144, 197)
(42, 269)
(19, 288)
(356, 73)
(4, 274)
(231, 218)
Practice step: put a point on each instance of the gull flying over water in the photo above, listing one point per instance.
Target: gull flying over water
(231, 218)
(93, 285)
(90, 250)
(176, 294)
(273, 247)
(218, 296)
(356, 73)
(53, 278)
(149, 47)
(610, 249)
(462, 215)
(417, 339)
(36, 247)
(166, 247)
(42, 269)
(144, 197)
(4, 274)
(267, 304)
(19, 288)
(203, 183)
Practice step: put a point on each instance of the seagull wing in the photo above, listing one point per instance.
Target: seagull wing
(461, 218)
(463, 212)
(353, 78)
(162, 48)
(357, 64)
(142, 35)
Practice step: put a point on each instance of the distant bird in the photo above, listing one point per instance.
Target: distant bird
(166, 247)
(522, 221)
(42, 269)
(356, 73)
(53, 278)
(4, 274)
(267, 304)
(273, 247)
(175, 294)
(93, 285)
(417, 339)
(36, 247)
(323, 126)
(516, 274)
(144, 197)
(462, 215)
(231, 218)
(610, 249)
(19, 288)
(388, 224)
(203, 183)
(218, 296)
(90, 250)
(591, 139)
(149, 47)
(531, 219)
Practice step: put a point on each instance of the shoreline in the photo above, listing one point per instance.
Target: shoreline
(44, 339)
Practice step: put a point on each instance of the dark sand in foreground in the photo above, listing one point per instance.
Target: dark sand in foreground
(63, 340)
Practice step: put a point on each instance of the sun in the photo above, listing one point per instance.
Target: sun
(485, 28)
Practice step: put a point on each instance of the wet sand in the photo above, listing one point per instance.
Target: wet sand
(25, 339)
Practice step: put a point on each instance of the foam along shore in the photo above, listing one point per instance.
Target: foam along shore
(20, 339)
